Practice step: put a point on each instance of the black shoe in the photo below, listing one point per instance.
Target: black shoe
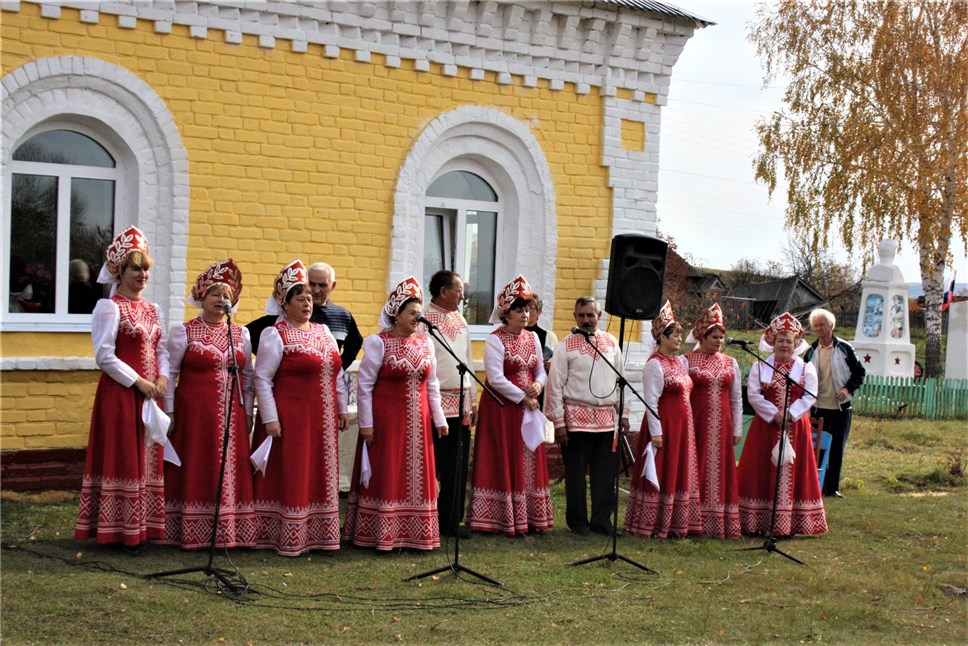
(608, 531)
(135, 550)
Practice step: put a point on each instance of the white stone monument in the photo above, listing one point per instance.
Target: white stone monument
(882, 339)
(956, 358)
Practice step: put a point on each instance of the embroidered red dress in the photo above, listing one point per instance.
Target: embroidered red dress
(717, 410)
(509, 483)
(799, 507)
(399, 397)
(299, 383)
(122, 492)
(673, 508)
(199, 357)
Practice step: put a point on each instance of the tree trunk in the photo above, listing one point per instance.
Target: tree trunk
(932, 279)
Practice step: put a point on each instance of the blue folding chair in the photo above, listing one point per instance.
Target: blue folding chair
(821, 447)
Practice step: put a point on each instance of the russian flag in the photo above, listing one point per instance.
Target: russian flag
(948, 294)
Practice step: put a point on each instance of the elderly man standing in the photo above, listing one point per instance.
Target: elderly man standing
(839, 375)
(447, 292)
(342, 325)
(583, 401)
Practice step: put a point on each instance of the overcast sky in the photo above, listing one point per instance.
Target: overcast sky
(708, 200)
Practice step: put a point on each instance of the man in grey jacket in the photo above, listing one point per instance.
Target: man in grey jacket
(839, 374)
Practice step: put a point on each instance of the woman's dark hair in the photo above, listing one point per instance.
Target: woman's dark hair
(671, 329)
(296, 290)
(712, 328)
(517, 304)
(403, 306)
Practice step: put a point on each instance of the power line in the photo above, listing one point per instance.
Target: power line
(760, 87)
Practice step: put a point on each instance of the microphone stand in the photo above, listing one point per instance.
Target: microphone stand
(461, 480)
(228, 581)
(771, 540)
(613, 555)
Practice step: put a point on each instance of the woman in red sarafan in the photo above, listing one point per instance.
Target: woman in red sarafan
(302, 407)
(393, 503)
(799, 506)
(509, 482)
(200, 363)
(668, 507)
(122, 492)
(717, 410)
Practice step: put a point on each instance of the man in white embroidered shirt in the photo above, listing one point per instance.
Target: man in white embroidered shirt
(446, 293)
(582, 402)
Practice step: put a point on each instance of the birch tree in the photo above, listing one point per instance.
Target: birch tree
(872, 138)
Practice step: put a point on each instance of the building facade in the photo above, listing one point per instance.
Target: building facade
(386, 138)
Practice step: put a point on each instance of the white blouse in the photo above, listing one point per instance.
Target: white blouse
(764, 407)
(105, 321)
(494, 367)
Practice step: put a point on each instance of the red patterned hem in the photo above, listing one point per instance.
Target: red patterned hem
(510, 513)
(291, 532)
(807, 517)
(387, 526)
(193, 531)
(663, 516)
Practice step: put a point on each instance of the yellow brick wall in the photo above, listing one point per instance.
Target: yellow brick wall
(297, 155)
(45, 409)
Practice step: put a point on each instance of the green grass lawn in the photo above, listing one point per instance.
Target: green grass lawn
(889, 571)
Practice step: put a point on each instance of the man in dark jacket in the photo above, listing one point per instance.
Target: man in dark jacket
(839, 375)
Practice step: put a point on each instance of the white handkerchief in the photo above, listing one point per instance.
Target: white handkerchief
(532, 428)
(648, 469)
(365, 469)
(788, 454)
(170, 455)
(260, 457)
(156, 422)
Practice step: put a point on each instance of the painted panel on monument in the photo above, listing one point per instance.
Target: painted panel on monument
(874, 316)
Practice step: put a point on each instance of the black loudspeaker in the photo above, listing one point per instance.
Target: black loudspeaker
(635, 274)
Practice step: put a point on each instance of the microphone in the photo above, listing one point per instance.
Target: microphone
(423, 319)
(731, 341)
(578, 330)
(227, 308)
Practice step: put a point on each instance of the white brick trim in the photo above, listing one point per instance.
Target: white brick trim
(586, 44)
(117, 103)
(47, 363)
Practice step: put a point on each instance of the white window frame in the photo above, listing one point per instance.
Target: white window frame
(60, 319)
(460, 207)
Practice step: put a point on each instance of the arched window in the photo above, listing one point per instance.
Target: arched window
(88, 149)
(475, 194)
(460, 234)
(62, 216)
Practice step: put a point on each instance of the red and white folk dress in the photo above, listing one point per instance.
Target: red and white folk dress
(673, 508)
(399, 397)
(199, 357)
(799, 508)
(717, 411)
(122, 492)
(299, 383)
(509, 490)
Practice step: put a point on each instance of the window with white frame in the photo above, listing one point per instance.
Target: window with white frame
(461, 234)
(62, 214)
